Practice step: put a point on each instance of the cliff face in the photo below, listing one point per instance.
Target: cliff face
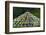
(26, 20)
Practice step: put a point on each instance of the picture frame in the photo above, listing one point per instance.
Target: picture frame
(10, 6)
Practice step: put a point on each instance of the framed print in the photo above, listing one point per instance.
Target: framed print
(24, 17)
